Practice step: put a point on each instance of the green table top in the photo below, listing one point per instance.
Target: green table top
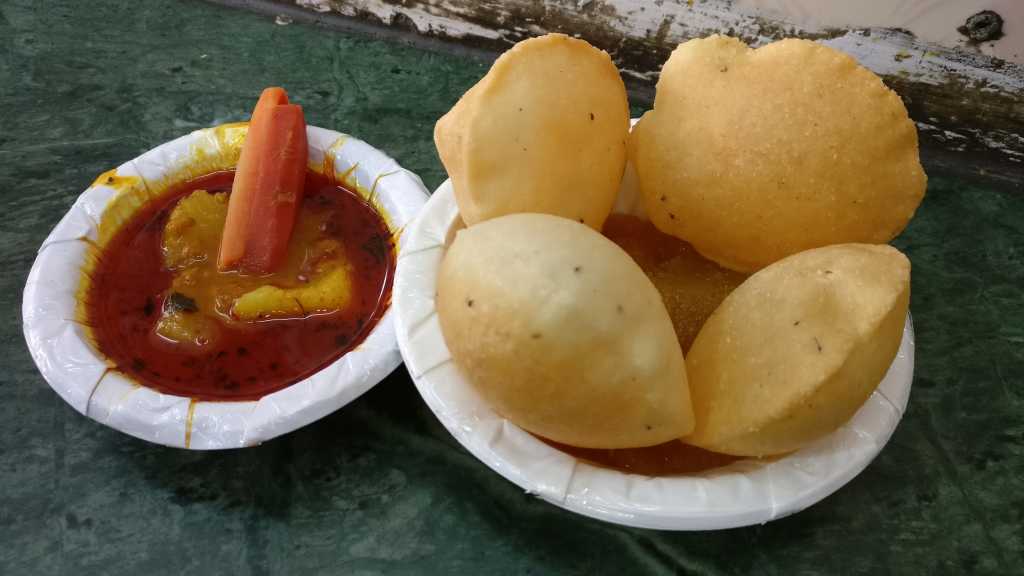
(380, 486)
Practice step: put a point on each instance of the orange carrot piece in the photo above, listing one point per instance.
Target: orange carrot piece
(279, 190)
(267, 189)
(232, 245)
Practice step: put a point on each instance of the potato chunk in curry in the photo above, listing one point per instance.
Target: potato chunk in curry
(329, 291)
(315, 277)
(193, 230)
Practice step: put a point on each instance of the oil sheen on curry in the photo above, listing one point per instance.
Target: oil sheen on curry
(239, 283)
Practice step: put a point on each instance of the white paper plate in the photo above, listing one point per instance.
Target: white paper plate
(743, 493)
(80, 375)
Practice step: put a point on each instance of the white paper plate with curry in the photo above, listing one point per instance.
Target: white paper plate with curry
(131, 318)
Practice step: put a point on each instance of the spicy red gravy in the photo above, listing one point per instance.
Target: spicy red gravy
(129, 284)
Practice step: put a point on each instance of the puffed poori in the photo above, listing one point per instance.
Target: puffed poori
(754, 155)
(544, 131)
(562, 333)
(793, 352)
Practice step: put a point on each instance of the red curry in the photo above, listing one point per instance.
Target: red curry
(250, 359)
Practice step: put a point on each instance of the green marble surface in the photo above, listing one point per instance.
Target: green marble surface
(380, 487)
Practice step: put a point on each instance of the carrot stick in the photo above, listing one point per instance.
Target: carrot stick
(279, 190)
(267, 189)
(232, 246)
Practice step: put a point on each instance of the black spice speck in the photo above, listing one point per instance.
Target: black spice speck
(377, 246)
(577, 269)
(817, 343)
(591, 115)
(469, 302)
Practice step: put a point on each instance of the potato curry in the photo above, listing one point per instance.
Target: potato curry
(237, 284)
